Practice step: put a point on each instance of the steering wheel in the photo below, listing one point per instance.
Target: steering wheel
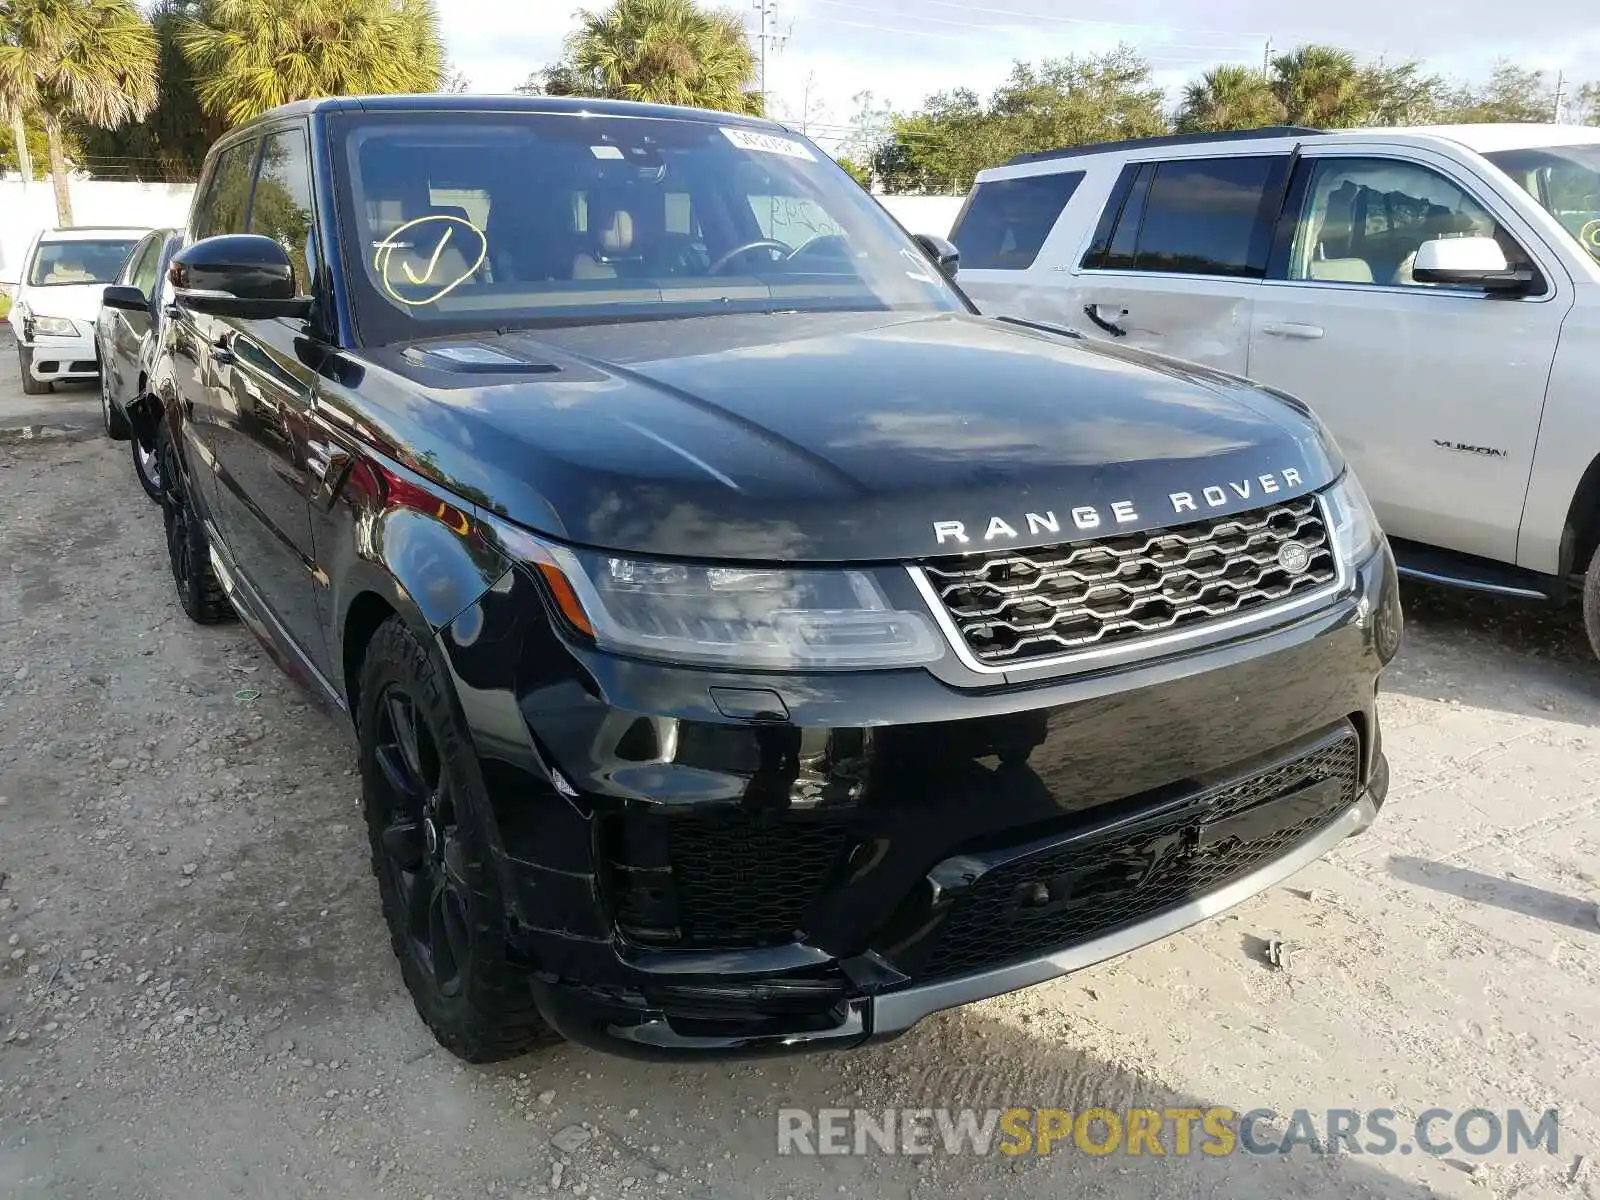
(759, 244)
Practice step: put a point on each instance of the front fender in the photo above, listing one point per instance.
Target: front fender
(385, 534)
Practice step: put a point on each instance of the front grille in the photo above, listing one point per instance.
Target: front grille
(1014, 607)
(1071, 893)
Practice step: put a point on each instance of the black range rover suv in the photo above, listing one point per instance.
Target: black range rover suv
(750, 647)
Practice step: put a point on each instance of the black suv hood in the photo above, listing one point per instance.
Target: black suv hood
(838, 436)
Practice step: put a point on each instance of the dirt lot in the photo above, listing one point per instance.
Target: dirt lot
(197, 996)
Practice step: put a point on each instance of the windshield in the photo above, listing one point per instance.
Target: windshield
(1565, 180)
(78, 261)
(474, 221)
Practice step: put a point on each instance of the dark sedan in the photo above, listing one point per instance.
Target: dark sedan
(125, 339)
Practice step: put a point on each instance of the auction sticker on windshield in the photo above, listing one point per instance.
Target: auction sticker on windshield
(750, 139)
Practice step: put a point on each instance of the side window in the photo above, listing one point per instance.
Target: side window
(1202, 217)
(138, 262)
(1005, 221)
(1195, 216)
(227, 196)
(1363, 219)
(282, 208)
(143, 276)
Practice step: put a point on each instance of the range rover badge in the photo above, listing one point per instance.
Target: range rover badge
(1294, 558)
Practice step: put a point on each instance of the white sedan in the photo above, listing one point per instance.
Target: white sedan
(58, 299)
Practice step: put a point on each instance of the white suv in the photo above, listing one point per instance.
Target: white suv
(1433, 293)
(64, 274)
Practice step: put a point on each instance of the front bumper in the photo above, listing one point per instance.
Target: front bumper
(63, 358)
(697, 864)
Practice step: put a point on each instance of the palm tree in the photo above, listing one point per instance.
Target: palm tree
(1320, 86)
(1230, 97)
(661, 51)
(93, 60)
(252, 55)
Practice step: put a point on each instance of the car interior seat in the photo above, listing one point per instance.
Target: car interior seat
(1331, 259)
(612, 248)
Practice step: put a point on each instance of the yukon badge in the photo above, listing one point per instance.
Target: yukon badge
(1093, 519)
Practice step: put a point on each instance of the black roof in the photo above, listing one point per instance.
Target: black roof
(515, 102)
(1171, 139)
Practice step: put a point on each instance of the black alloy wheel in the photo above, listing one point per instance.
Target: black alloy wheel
(199, 591)
(421, 843)
(426, 805)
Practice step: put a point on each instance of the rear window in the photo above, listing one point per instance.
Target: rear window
(1005, 221)
(79, 261)
(1201, 216)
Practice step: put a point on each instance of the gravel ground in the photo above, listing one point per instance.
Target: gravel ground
(197, 996)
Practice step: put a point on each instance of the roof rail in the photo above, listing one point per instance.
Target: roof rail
(1170, 139)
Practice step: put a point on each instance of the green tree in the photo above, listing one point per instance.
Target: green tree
(659, 51)
(251, 55)
(1511, 93)
(1320, 86)
(64, 60)
(38, 149)
(1400, 93)
(1228, 97)
(170, 143)
(861, 174)
(1067, 101)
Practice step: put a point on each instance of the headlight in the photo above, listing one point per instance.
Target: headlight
(55, 326)
(729, 616)
(1355, 529)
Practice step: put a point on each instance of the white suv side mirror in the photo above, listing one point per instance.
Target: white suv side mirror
(1468, 262)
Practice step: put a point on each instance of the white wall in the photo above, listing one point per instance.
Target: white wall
(925, 214)
(24, 212)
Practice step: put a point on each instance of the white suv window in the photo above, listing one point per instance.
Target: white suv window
(1363, 219)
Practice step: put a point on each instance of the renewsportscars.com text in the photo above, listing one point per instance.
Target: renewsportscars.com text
(1178, 1132)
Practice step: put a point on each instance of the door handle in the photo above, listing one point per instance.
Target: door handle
(221, 355)
(1097, 314)
(325, 460)
(1291, 329)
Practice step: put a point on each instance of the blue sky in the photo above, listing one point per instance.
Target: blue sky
(904, 49)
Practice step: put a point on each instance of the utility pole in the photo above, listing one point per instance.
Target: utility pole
(1266, 58)
(767, 9)
(1561, 94)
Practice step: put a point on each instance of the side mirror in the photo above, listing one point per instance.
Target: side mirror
(128, 299)
(242, 275)
(944, 254)
(1468, 262)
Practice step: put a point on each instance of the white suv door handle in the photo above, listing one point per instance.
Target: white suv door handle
(1291, 329)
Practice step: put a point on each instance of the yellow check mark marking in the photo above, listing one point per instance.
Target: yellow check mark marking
(432, 262)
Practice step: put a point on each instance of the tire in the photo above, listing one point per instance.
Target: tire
(1591, 602)
(423, 797)
(116, 421)
(146, 466)
(30, 385)
(199, 592)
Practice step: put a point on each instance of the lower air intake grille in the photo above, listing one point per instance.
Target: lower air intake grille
(1068, 894)
(745, 880)
(1014, 607)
